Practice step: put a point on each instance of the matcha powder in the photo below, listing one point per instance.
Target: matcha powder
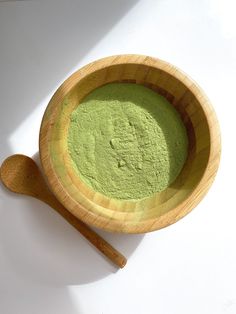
(126, 141)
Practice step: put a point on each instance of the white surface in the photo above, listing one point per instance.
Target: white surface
(45, 265)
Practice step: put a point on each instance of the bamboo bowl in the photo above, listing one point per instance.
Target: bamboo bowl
(163, 208)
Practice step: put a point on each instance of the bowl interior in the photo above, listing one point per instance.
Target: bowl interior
(118, 215)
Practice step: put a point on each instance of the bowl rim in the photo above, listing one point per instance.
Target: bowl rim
(186, 205)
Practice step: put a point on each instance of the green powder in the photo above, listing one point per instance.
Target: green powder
(126, 141)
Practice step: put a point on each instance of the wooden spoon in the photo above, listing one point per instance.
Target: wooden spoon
(20, 174)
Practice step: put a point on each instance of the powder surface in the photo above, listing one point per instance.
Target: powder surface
(126, 141)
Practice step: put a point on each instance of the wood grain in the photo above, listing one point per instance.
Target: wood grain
(161, 209)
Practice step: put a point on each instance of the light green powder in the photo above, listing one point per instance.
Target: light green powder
(126, 141)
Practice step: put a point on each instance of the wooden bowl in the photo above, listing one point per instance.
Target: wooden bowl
(163, 208)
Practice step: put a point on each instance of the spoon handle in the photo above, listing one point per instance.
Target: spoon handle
(102, 245)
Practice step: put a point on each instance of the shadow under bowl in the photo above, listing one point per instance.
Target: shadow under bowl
(163, 208)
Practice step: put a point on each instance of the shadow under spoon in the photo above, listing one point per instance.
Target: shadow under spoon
(20, 174)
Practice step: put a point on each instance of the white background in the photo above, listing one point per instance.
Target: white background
(45, 265)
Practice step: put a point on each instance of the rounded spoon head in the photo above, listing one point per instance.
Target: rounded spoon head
(20, 174)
